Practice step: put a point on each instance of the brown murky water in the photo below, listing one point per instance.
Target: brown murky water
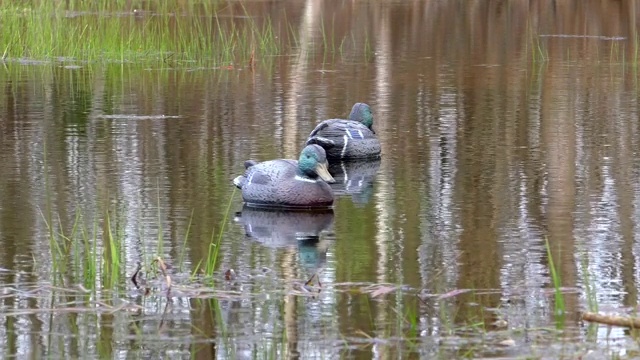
(502, 125)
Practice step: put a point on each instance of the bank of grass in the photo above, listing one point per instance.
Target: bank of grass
(104, 32)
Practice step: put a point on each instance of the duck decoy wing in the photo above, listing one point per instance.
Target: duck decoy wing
(322, 141)
(338, 128)
(260, 178)
(332, 128)
(356, 130)
(252, 176)
(319, 128)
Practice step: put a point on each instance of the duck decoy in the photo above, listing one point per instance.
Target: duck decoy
(288, 184)
(352, 138)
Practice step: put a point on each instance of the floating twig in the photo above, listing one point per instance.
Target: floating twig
(307, 287)
(162, 325)
(134, 277)
(613, 320)
(163, 268)
(310, 281)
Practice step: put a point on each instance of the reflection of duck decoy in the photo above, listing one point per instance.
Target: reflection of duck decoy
(351, 138)
(312, 253)
(288, 184)
(354, 178)
(277, 228)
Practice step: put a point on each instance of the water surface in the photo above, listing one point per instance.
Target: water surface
(502, 127)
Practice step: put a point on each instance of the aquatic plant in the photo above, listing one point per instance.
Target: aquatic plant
(85, 256)
(76, 253)
(184, 243)
(214, 247)
(559, 308)
(113, 257)
(589, 286)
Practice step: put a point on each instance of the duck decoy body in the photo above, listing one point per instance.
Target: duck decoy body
(352, 138)
(288, 184)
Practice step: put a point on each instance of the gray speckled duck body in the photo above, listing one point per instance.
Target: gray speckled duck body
(288, 184)
(348, 139)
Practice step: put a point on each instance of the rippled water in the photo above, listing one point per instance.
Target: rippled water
(498, 132)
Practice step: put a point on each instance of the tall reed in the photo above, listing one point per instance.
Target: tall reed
(112, 258)
(214, 247)
(559, 307)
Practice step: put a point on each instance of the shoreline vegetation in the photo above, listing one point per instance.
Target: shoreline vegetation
(191, 35)
(229, 35)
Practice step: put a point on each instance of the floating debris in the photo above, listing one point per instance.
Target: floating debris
(383, 290)
(599, 37)
(453, 293)
(632, 322)
(137, 117)
(163, 268)
(507, 343)
(229, 275)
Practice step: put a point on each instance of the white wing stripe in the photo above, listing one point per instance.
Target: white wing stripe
(344, 148)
